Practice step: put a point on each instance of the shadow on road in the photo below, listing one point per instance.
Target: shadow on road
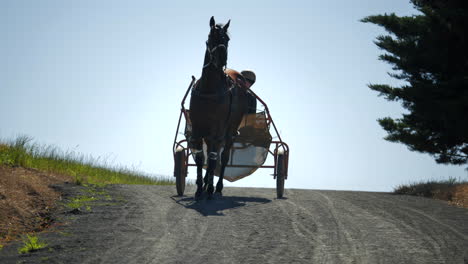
(218, 205)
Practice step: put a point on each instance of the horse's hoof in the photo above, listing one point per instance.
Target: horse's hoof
(198, 195)
(218, 194)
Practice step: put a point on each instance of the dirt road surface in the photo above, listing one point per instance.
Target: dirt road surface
(149, 224)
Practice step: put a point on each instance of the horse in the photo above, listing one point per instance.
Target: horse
(217, 105)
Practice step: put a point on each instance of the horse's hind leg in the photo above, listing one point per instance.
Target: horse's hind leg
(224, 160)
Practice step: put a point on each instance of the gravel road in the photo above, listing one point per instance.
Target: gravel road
(248, 225)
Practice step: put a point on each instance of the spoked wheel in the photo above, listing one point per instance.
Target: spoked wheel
(180, 171)
(280, 175)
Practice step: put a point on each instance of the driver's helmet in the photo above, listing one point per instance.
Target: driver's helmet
(249, 76)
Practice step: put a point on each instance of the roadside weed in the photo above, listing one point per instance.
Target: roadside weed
(31, 243)
(80, 201)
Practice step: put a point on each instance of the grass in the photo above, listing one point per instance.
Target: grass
(95, 195)
(428, 188)
(31, 243)
(448, 190)
(84, 169)
(81, 201)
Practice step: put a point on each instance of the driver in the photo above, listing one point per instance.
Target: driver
(250, 78)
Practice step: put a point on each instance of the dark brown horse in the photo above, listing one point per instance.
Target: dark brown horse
(217, 104)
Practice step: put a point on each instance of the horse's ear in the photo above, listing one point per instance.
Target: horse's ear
(212, 22)
(227, 25)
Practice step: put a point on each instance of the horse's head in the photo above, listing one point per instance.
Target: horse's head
(217, 44)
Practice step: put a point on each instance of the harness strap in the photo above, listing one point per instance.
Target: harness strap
(196, 92)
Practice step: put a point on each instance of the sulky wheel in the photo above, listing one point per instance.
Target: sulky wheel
(280, 175)
(180, 171)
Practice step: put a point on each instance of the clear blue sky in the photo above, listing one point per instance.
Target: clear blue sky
(106, 78)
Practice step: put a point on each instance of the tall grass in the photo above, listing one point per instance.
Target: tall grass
(83, 168)
(441, 189)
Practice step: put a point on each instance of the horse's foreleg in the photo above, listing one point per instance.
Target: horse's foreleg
(196, 144)
(224, 161)
(212, 161)
(199, 160)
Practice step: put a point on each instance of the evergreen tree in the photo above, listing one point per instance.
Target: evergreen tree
(429, 52)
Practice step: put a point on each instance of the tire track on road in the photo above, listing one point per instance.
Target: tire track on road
(333, 243)
(377, 215)
(249, 226)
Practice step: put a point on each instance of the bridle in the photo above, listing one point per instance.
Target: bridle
(213, 61)
(211, 53)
